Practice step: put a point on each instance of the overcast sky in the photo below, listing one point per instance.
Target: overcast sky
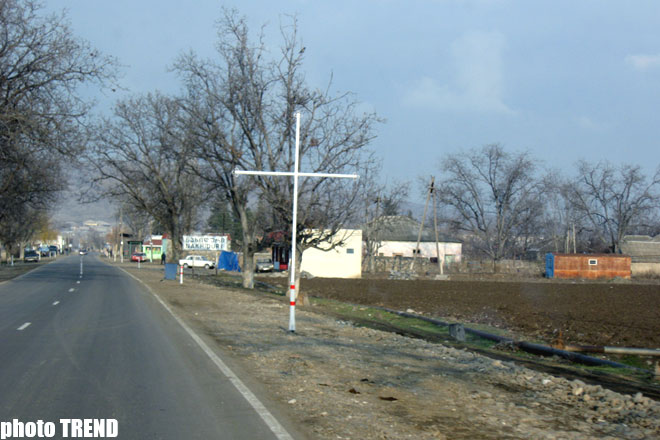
(566, 80)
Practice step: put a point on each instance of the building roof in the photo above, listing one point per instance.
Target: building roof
(641, 245)
(402, 228)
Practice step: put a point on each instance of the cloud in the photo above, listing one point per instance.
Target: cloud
(644, 62)
(476, 59)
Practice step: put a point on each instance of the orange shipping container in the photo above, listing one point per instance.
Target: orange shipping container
(589, 266)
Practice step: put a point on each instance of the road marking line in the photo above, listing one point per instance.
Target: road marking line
(77, 282)
(56, 303)
(24, 326)
(256, 404)
(71, 289)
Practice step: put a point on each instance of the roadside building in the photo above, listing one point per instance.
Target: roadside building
(153, 247)
(588, 266)
(644, 252)
(344, 260)
(396, 236)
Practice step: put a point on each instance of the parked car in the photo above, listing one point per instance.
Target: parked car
(139, 256)
(196, 261)
(31, 255)
(83, 251)
(264, 265)
(44, 251)
(53, 249)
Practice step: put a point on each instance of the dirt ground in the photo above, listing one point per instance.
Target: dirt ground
(613, 314)
(334, 380)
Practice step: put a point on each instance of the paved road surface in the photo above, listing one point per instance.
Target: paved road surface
(99, 346)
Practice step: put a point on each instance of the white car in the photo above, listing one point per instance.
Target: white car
(196, 261)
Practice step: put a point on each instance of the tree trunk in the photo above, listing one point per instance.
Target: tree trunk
(175, 253)
(302, 299)
(247, 271)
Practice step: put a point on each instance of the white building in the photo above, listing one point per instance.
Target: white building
(397, 235)
(344, 261)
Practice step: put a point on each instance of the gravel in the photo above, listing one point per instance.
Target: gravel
(339, 381)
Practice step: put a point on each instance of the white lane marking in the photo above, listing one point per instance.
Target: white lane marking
(71, 289)
(77, 282)
(24, 326)
(259, 407)
(56, 303)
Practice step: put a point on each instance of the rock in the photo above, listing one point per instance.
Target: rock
(292, 401)
(457, 331)
(578, 391)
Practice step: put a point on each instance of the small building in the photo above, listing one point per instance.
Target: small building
(588, 266)
(343, 261)
(153, 247)
(396, 236)
(645, 253)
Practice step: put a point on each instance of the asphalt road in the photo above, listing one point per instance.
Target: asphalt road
(98, 346)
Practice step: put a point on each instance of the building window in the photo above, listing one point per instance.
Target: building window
(350, 251)
(593, 262)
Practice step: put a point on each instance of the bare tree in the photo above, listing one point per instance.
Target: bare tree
(142, 158)
(19, 227)
(42, 66)
(490, 194)
(614, 199)
(380, 203)
(244, 106)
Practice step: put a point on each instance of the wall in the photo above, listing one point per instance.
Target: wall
(338, 262)
(427, 250)
(645, 269)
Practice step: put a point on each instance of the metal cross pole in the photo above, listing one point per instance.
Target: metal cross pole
(295, 174)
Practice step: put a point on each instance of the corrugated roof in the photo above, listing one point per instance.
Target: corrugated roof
(402, 228)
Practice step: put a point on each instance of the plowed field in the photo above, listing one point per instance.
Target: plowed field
(614, 314)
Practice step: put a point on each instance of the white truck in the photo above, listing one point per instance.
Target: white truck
(196, 261)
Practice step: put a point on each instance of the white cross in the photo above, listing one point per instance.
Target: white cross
(295, 174)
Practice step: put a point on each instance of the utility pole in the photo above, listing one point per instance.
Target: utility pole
(121, 233)
(435, 225)
(421, 226)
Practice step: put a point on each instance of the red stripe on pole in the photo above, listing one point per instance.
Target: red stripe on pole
(292, 287)
(293, 303)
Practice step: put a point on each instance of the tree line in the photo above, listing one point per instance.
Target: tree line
(43, 118)
(167, 157)
(504, 204)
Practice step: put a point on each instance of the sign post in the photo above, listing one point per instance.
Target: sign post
(295, 174)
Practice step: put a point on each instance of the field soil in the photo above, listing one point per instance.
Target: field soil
(622, 314)
(334, 380)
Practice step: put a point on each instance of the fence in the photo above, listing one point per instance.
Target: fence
(424, 266)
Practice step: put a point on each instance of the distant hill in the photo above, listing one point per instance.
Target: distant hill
(69, 209)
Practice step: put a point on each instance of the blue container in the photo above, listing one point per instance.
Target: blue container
(170, 271)
(549, 265)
